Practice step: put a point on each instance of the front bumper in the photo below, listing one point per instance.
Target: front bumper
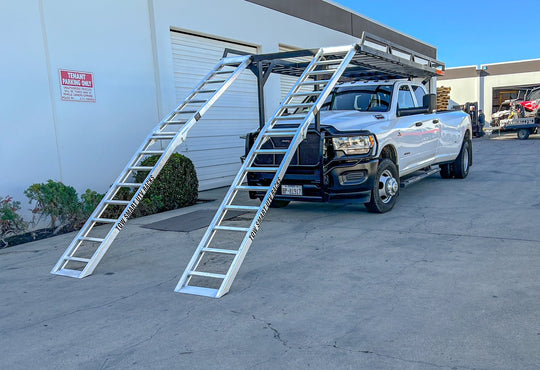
(346, 179)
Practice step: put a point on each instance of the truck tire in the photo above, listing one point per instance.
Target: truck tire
(523, 134)
(463, 162)
(386, 188)
(446, 171)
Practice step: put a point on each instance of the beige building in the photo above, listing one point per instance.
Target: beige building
(491, 84)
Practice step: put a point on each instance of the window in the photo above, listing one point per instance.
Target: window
(370, 98)
(419, 94)
(405, 99)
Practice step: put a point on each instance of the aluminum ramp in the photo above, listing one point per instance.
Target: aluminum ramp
(233, 241)
(91, 243)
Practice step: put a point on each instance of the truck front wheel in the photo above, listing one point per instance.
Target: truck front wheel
(386, 188)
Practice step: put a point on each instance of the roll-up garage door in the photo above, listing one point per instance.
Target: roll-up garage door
(214, 144)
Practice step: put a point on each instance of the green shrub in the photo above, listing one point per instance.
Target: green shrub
(176, 186)
(90, 200)
(10, 222)
(57, 201)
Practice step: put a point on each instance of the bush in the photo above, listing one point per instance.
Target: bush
(176, 186)
(10, 222)
(90, 200)
(57, 201)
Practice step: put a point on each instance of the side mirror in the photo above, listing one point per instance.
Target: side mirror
(430, 102)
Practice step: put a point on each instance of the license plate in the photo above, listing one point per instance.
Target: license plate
(291, 189)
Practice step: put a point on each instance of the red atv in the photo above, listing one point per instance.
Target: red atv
(531, 102)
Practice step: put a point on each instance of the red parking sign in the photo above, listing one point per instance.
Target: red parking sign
(77, 86)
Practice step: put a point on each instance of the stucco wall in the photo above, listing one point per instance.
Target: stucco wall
(462, 90)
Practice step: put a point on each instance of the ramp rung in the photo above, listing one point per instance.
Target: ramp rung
(217, 250)
(185, 111)
(322, 72)
(271, 151)
(172, 122)
(242, 208)
(89, 239)
(118, 202)
(140, 168)
(290, 117)
(261, 169)
(316, 82)
(104, 220)
(252, 188)
(223, 72)
(276, 133)
(205, 91)
(78, 259)
(195, 101)
(207, 274)
(164, 135)
(300, 105)
(215, 81)
(129, 184)
(232, 228)
(307, 93)
(152, 152)
(327, 62)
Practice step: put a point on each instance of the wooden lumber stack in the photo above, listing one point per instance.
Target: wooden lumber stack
(443, 96)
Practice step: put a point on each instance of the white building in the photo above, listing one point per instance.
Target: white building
(491, 84)
(137, 60)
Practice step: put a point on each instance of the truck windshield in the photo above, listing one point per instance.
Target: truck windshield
(374, 98)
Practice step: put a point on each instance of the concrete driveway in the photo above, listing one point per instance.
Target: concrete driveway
(449, 279)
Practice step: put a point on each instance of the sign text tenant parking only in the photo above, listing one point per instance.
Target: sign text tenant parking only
(77, 86)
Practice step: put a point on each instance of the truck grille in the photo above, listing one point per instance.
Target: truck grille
(307, 154)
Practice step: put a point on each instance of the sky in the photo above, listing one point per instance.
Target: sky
(464, 32)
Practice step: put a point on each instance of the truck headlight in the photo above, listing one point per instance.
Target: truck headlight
(352, 145)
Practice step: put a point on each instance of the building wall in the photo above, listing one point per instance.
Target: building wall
(28, 148)
(128, 50)
(476, 84)
(82, 144)
(462, 90)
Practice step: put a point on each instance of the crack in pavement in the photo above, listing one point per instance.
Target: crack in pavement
(127, 349)
(277, 334)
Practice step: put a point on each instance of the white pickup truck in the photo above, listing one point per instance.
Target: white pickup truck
(373, 135)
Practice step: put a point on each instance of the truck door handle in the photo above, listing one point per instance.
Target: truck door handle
(436, 120)
(418, 124)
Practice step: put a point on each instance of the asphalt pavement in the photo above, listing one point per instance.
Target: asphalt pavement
(449, 279)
